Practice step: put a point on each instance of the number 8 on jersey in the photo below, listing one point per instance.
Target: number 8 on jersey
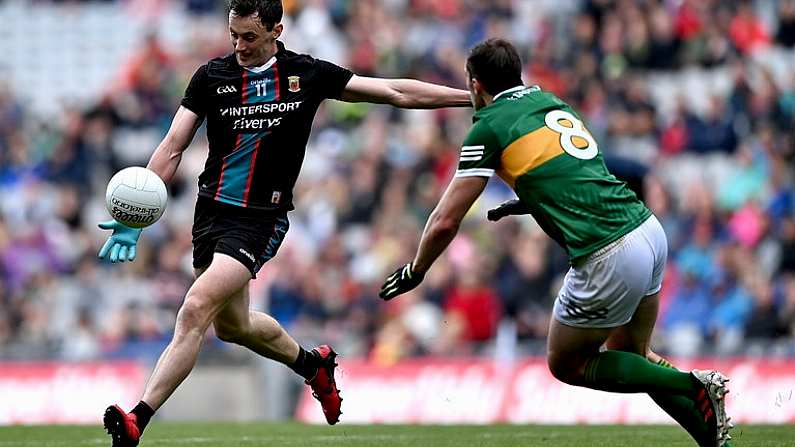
(572, 134)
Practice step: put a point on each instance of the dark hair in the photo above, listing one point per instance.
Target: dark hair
(496, 64)
(269, 11)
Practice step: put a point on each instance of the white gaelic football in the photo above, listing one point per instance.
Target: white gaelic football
(136, 197)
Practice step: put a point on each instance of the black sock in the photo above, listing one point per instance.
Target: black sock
(306, 364)
(143, 413)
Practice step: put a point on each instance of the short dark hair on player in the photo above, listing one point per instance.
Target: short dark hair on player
(496, 64)
(269, 11)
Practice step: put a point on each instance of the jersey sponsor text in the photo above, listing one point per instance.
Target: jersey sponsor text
(261, 108)
(256, 123)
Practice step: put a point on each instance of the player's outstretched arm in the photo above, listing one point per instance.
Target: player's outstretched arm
(404, 93)
(441, 228)
(165, 160)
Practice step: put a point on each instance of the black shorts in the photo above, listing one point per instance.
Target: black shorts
(250, 236)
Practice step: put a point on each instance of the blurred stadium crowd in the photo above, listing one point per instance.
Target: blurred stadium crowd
(692, 102)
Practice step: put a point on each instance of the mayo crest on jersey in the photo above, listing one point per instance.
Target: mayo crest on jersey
(538, 145)
(258, 124)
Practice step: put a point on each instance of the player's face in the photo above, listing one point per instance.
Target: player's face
(475, 92)
(253, 43)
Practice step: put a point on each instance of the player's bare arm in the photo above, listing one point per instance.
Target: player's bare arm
(165, 160)
(444, 221)
(121, 245)
(440, 230)
(404, 93)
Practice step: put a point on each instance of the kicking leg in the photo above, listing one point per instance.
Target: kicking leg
(261, 333)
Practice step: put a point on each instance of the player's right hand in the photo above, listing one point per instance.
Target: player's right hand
(400, 281)
(507, 208)
(121, 243)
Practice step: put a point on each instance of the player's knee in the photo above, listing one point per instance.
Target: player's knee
(194, 314)
(566, 372)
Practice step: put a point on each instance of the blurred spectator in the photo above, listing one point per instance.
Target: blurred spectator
(472, 307)
(764, 322)
(748, 33)
(786, 23)
(713, 132)
(523, 282)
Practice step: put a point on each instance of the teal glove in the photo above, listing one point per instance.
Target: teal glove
(121, 244)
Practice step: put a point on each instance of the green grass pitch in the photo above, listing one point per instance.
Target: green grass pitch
(298, 435)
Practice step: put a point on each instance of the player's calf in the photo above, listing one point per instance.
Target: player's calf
(230, 334)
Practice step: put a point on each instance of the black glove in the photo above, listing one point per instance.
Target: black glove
(508, 208)
(401, 281)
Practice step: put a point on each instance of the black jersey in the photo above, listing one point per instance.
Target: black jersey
(258, 124)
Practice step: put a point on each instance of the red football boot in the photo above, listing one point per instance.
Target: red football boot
(324, 388)
(122, 427)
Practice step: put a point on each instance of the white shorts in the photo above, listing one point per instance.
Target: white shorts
(605, 290)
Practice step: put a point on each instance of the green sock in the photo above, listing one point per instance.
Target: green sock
(665, 363)
(683, 410)
(625, 372)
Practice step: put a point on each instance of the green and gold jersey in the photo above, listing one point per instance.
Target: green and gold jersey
(539, 146)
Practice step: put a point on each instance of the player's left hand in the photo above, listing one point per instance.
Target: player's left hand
(121, 244)
(507, 208)
(401, 281)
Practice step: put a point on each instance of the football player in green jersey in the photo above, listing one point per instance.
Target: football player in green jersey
(606, 309)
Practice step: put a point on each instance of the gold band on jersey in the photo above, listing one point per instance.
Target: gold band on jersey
(529, 152)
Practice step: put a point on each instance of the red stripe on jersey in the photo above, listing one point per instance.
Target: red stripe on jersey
(276, 80)
(223, 167)
(250, 173)
(244, 90)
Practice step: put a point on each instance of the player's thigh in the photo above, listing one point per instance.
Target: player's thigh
(635, 336)
(197, 272)
(212, 289)
(233, 318)
(569, 349)
(234, 321)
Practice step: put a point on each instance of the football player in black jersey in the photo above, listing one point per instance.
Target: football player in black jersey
(259, 103)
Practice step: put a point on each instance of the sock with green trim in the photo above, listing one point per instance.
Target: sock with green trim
(665, 363)
(625, 372)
